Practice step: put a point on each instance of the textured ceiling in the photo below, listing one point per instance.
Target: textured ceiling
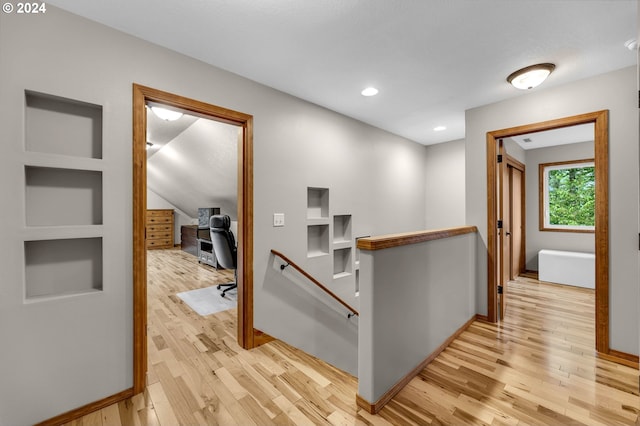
(431, 60)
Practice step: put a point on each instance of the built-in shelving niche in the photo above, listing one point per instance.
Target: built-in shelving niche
(317, 240)
(318, 237)
(64, 195)
(342, 263)
(56, 125)
(342, 229)
(357, 266)
(317, 203)
(62, 267)
(59, 197)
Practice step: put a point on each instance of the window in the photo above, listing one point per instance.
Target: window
(568, 196)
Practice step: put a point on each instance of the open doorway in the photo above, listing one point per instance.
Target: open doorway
(143, 96)
(496, 239)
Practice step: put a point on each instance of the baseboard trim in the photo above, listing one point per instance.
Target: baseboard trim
(87, 409)
(618, 357)
(395, 389)
(482, 318)
(260, 338)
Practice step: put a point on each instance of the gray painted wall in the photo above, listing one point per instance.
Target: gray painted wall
(514, 150)
(414, 298)
(615, 91)
(444, 167)
(376, 177)
(537, 240)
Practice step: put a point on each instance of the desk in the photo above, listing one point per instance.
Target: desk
(205, 252)
(189, 235)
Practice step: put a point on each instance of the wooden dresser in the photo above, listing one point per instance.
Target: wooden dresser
(159, 228)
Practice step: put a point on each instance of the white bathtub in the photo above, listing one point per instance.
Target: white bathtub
(567, 267)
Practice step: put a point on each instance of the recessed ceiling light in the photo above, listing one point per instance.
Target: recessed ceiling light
(439, 128)
(369, 91)
(166, 114)
(530, 77)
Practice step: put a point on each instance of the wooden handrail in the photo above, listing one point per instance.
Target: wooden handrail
(313, 280)
(397, 240)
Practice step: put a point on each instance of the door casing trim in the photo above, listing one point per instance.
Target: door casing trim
(245, 333)
(600, 119)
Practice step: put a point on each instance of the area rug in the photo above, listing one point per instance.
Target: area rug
(207, 301)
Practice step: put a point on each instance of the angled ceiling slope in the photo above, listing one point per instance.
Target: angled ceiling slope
(198, 168)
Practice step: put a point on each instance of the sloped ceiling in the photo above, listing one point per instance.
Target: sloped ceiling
(198, 167)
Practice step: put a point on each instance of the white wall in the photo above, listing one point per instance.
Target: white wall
(537, 240)
(374, 176)
(444, 167)
(615, 91)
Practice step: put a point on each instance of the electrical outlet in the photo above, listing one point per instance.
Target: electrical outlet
(278, 219)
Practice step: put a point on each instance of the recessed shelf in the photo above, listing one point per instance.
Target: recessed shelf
(63, 126)
(317, 203)
(342, 228)
(58, 197)
(62, 267)
(357, 282)
(317, 240)
(342, 263)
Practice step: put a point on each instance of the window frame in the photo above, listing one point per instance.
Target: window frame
(543, 169)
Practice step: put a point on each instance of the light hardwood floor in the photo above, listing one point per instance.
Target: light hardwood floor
(536, 367)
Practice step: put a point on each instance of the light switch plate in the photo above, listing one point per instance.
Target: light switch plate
(278, 219)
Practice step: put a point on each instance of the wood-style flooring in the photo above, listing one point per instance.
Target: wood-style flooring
(536, 367)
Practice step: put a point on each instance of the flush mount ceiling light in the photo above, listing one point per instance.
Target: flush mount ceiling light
(369, 91)
(166, 114)
(439, 128)
(530, 77)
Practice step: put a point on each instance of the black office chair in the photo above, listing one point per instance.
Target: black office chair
(224, 247)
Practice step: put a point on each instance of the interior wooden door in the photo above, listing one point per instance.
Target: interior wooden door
(504, 226)
(516, 185)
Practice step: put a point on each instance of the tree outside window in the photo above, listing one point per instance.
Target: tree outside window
(568, 196)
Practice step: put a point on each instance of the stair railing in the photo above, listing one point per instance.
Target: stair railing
(289, 262)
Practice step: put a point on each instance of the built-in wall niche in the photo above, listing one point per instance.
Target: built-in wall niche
(56, 125)
(317, 203)
(342, 229)
(342, 263)
(62, 267)
(317, 240)
(57, 197)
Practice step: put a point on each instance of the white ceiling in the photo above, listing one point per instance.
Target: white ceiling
(197, 167)
(431, 60)
(562, 136)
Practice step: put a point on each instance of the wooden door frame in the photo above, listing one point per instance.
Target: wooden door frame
(600, 119)
(141, 96)
(517, 165)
